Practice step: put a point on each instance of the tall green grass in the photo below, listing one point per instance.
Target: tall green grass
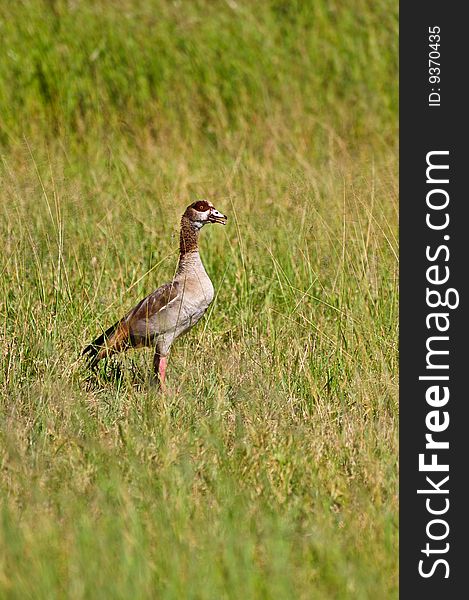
(269, 469)
(203, 67)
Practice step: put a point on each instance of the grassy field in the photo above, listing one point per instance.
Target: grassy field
(269, 468)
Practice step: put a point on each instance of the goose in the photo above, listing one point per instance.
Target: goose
(171, 310)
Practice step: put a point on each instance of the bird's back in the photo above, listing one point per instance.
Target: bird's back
(173, 308)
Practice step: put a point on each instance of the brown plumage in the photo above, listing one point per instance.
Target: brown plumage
(119, 336)
(173, 308)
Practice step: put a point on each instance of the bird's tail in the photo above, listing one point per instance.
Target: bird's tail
(113, 340)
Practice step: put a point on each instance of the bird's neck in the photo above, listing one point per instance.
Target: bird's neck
(188, 238)
(188, 245)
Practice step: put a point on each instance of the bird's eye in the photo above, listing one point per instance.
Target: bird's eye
(201, 206)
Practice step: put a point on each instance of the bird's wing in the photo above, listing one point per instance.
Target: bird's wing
(150, 306)
(136, 323)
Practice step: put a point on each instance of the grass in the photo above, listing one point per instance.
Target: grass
(269, 469)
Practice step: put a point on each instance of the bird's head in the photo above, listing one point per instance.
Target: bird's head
(201, 212)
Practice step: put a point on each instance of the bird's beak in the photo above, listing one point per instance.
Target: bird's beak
(217, 217)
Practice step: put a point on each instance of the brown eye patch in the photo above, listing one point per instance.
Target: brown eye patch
(201, 205)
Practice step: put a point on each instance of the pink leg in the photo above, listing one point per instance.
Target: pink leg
(159, 368)
(162, 369)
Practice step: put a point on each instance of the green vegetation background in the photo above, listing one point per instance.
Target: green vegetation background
(269, 469)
